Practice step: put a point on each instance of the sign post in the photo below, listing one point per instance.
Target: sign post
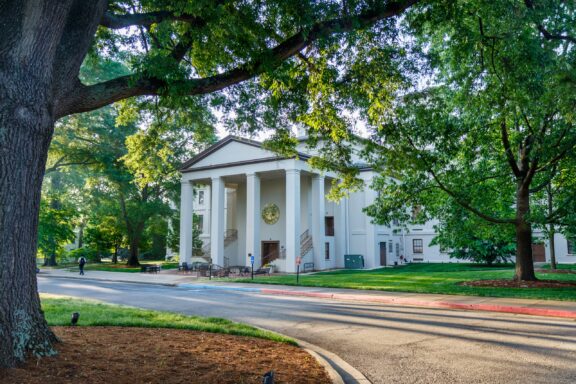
(298, 261)
(252, 264)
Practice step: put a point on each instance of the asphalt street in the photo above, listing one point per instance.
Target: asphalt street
(388, 343)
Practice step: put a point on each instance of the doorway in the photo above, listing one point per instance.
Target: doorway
(270, 251)
(538, 253)
(383, 253)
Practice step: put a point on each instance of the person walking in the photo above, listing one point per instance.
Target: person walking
(81, 263)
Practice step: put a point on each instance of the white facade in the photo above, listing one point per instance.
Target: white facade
(229, 185)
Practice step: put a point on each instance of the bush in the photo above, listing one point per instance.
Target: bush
(90, 254)
(485, 251)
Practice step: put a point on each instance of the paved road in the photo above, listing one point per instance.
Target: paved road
(389, 344)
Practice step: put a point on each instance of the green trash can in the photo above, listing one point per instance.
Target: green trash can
(353, 261)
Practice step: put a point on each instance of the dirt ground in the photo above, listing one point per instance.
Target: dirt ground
(148, 355)
(520, 284)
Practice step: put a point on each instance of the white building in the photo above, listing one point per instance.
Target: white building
(250, 201)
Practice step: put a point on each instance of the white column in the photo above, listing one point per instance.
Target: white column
(253, 219)
(340, 232)
(292, 218)
(169, 252)
(372, 256)
(186, 213)
(318, 221)
(217, 221)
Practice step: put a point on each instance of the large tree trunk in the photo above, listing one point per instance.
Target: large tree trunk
(42, 45)
(81, 235)
(524, 263)
(134, 250)
(552, 228)
(26, 126)
(552, 233)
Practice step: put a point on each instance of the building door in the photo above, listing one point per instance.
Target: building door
(383, 253)
(538, 253)
(270, 251)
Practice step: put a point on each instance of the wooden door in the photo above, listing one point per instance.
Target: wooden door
(383, 253)
(538, 253)
(270, 251)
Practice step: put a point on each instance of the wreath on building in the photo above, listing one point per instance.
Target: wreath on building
(270, 213)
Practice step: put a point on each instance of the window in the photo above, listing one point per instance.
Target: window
(397, 250)
(329, 224)
(571, 246)
(417, 246)
(390, 247)
(200, 197)
(199, 223)
(327, 252)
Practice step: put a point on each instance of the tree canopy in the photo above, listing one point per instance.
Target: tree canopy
(173, 48)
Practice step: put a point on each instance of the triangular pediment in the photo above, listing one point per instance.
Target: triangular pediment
(231, 150)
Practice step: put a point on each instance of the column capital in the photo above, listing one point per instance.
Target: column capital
(292, 171)
(186, 183)
(216, 178)
(318, 176)
(252, 174)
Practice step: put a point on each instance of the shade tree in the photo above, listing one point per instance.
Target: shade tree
(174, 48)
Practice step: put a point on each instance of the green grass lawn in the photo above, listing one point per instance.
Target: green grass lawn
(561, 266)
(429, 278)
(119, 267)
(58, 311)
(122, 267)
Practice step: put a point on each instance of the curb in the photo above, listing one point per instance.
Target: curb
(219, 287)
(108, 280)
(334, 365)
(335, 377)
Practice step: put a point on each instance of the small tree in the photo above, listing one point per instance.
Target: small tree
(466, 237)
(55, 229)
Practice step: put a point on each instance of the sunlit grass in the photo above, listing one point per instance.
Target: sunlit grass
(58, 311)
(108, 266)
(429, 278)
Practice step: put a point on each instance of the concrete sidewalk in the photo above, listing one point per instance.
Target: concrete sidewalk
(564, 309)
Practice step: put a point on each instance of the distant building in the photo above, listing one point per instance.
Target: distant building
(250, 201)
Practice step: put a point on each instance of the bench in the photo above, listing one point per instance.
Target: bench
(239, 270)
(307, 267)
(262, 271)
(150, 268)
(184, 267)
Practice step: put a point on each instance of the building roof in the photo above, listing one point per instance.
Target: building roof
(225, 141)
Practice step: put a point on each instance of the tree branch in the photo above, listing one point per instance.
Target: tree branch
(457, 198)
(114, 21)
(508, 149)
(87, 98)
(59, 164)
(547, 34)
(546, 182)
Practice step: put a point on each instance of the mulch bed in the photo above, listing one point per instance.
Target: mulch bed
(519, 284)
(149, 355)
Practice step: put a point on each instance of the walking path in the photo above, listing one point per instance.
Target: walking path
(564, 309)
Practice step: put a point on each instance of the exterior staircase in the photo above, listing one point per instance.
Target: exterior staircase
(305, 243)
(230, 236)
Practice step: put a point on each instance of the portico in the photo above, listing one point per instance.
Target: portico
(259, 203)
